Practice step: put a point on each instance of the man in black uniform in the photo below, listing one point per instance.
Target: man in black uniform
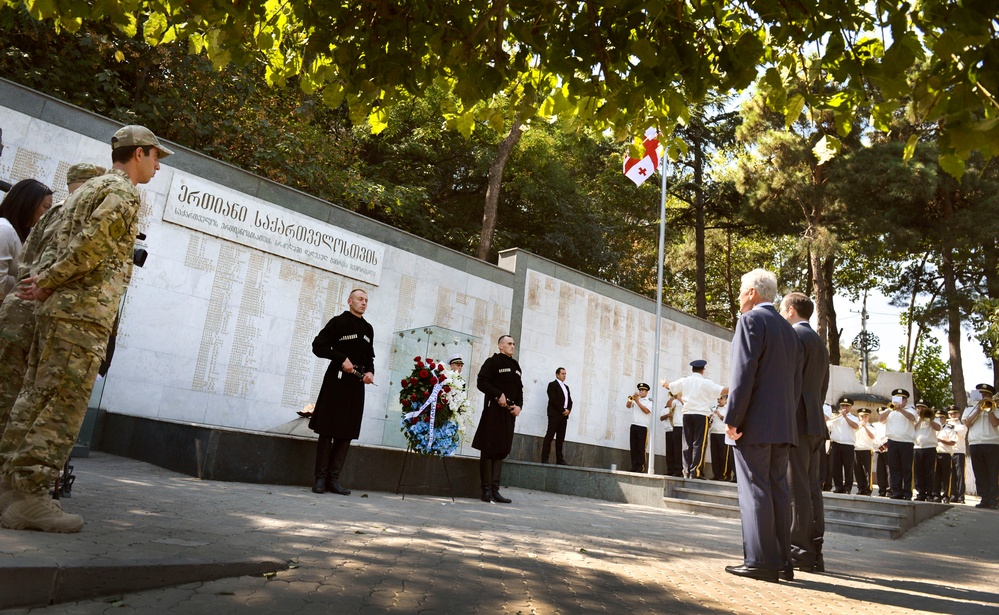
(346, 341)
(500, 380)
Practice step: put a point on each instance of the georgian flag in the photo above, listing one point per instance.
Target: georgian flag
(640, 170)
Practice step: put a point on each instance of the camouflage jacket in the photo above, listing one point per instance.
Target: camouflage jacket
(39, 248)
(93, 251)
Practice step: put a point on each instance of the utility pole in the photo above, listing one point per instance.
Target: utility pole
(863, 335)
(865, 343)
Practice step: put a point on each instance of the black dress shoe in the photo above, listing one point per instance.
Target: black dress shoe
(499, 498)
(787, 574)
(487, 495)
(760, 574)
(320, 486)
(335, 487)
(561, 463)
(803, 566)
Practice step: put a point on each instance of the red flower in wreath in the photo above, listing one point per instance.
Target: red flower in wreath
(404, 383)
(417, 359)
(433, 380)
(446, 388)
(424, 374)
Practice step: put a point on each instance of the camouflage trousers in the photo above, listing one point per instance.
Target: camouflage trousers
(48, 413)
(17, 324)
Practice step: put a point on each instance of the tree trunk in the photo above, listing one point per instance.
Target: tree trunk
(493, 189)
(733, 307)
(991, 252)
(818, 292)
(910, 347)
(953, 327)
(701, 301)
(833, 331)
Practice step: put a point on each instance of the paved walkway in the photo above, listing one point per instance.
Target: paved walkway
(545, 553)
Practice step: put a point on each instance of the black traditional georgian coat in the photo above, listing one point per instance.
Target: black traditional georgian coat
(340, 406)
(500, 374)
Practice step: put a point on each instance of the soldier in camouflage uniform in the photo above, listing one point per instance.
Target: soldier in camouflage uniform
(78, 297)
(17, 316)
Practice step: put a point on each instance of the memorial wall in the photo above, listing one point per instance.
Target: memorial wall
(216, 328)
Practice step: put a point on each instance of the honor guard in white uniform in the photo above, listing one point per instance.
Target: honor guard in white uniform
(841, 431)
(982, 421)
(900, 420)
(958, 456)
(924, 455)
(699, 396)
(864, 445)
(945, 451)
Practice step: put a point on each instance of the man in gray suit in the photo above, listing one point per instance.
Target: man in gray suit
(805, 475)
(764, 391)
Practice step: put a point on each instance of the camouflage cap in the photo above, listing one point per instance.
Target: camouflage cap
(129, 136)
(83, 171)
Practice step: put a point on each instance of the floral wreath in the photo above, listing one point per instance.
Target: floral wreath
(437, 399)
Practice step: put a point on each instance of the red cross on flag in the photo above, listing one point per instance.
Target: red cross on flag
(639, 170)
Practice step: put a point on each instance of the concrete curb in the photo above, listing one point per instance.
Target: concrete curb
(32, 582)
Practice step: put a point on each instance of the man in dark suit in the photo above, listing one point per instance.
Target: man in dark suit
(764, 392)
(805, 473)
(559, 407)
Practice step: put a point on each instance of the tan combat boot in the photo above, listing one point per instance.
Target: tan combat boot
(8, 495)
(40, 512)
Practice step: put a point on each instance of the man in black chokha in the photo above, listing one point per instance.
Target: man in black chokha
(500, 380)
(346, 341)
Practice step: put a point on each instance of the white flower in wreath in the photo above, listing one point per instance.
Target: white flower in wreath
(458, 399)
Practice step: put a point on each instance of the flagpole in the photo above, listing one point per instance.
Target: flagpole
(659, 314)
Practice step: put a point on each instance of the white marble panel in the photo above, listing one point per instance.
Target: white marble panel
(231, 412)
(130, 397)
(183, 405)
(607, 347)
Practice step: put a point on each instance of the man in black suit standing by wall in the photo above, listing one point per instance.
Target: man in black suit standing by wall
(765, 389)
(805, 473)
(559, 407)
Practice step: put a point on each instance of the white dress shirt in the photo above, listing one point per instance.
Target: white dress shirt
(700, 395)
(565, 394)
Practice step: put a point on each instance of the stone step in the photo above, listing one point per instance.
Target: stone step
(847, 513)
(888, 518)
(853, 527)
(853, 514)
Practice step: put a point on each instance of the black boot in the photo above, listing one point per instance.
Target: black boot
(338, 456)
(322, 464)
(494, 486)
(486, 479)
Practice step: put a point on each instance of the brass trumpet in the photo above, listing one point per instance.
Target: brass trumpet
(892, 406)
(927, 414)
(631, 398)
(988, 404)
